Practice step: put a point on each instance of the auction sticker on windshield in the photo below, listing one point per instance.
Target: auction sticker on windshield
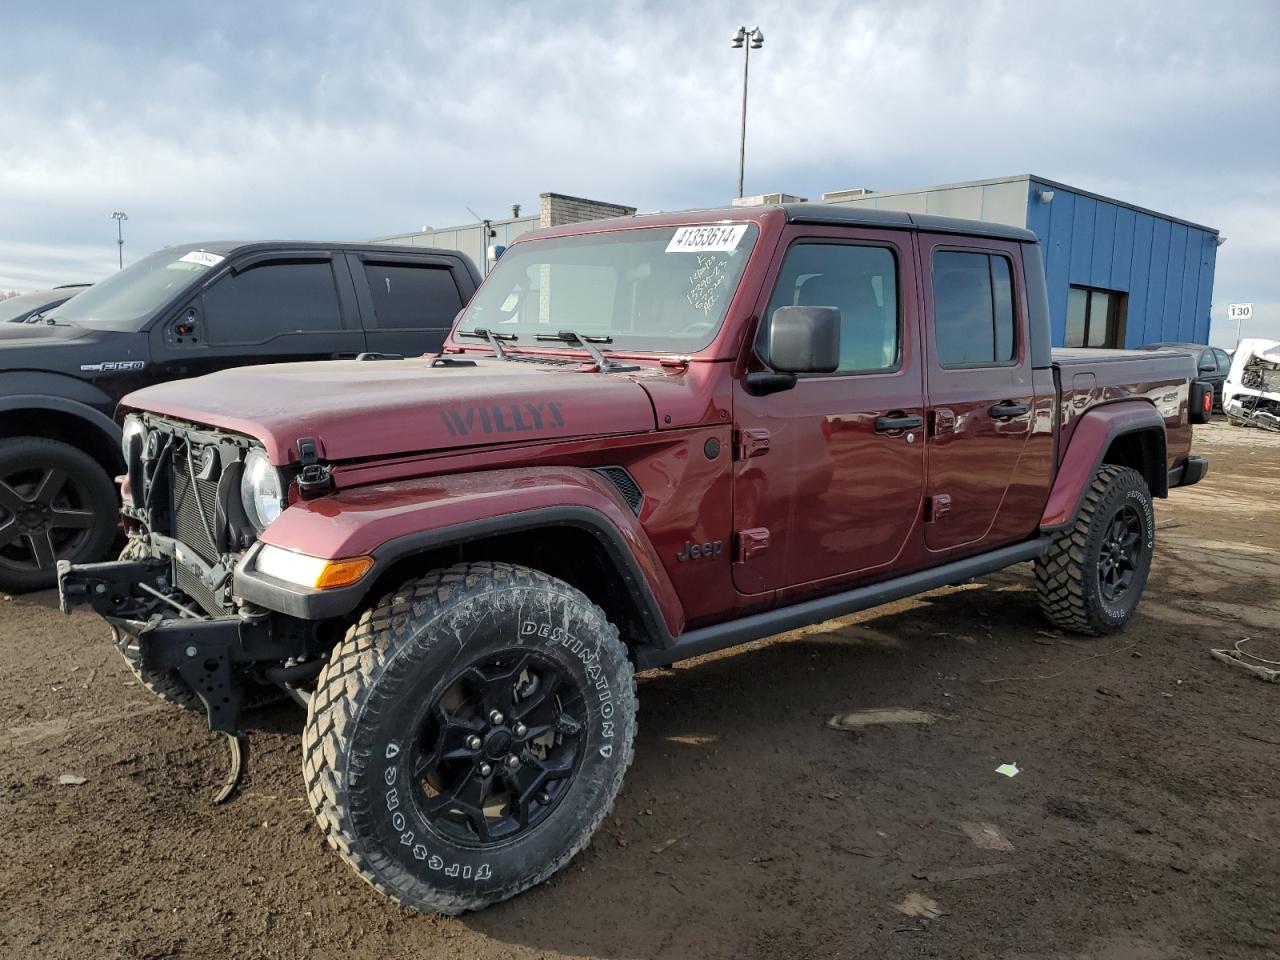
(709, 239)
(202, 258)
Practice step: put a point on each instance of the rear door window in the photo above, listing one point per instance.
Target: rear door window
(973, 317)
(272, 300)
(412, 297)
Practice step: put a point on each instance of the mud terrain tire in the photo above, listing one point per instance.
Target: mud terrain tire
(1090, 581)
(378, 720)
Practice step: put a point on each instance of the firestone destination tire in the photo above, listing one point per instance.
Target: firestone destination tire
(469, 735)
(1092, 577)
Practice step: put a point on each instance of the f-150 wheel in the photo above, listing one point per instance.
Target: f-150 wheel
(469, 735)
(56, 503)
(1093, 574)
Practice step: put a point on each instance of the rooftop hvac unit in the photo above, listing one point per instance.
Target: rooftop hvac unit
(767, 198)
(835, 196)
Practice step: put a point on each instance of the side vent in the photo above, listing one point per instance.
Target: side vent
(625, 484)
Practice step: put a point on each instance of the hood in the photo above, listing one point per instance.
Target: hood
(69, 349)
(39, 334)
(355, 409)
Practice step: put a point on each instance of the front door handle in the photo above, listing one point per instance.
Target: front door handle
(1005, 411)
(899, 421)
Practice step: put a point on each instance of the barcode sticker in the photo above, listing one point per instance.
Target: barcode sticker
(715, 238)
(202, 258)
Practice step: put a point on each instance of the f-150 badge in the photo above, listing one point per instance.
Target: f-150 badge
(109, 366)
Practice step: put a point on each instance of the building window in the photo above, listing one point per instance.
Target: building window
(1095, 318)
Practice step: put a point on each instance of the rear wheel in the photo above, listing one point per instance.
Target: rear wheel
(1092, 577)
(56, 503)
(469, 735)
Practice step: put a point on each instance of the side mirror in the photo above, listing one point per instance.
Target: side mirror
(798, 340)
(804, 340)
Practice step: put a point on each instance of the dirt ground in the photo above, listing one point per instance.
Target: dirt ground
(1144, 823)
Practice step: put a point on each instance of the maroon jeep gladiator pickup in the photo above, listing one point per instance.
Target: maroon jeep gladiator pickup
(645, 439)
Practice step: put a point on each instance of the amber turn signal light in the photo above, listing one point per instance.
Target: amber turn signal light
(341, 573)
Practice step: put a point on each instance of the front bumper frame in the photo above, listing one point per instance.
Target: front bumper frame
(209, 652)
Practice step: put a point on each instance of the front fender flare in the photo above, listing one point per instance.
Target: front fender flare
(397, 520)
(39, 401)
(1090, 440)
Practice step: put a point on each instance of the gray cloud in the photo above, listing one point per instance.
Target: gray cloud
(313, 120)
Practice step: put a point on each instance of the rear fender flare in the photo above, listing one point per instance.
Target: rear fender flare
(391, 522)
(1090, 440)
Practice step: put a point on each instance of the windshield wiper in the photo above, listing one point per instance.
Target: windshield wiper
(493, 339)
(589, 344)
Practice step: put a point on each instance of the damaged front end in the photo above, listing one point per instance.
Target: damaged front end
(1251, 395)
(219, 658)
(170, 598)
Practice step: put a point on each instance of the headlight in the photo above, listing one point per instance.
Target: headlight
(261, 491)
(133, 427)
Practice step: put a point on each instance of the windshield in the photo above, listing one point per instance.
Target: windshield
(661, 289)
(128, 299)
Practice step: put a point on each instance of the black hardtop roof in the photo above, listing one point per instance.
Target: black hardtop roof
(838, 215)
(226, 247)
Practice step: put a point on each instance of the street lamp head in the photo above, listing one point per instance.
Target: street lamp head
(738, 38)
(119, 215)
(757, 38)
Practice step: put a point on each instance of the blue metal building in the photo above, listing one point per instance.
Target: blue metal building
(1118, 275)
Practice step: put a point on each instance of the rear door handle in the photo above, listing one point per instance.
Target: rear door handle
(1005, 411)
(899, 421)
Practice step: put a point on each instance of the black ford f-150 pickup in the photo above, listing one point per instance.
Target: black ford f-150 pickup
(182, 312)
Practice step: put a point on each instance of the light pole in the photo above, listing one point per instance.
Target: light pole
(119, 217)
(746, 40)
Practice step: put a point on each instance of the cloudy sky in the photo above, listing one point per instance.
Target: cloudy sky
(326, 120)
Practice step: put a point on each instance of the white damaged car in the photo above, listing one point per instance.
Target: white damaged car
(1251, 395)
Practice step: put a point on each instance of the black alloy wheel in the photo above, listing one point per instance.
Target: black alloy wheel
(44, 518)
(498, 749)
(1120, 554)
(56, 503)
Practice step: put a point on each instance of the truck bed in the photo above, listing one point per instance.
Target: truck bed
(1088, 377)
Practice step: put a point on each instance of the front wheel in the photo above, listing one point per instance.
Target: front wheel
(469, 735)
(1092, 576)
